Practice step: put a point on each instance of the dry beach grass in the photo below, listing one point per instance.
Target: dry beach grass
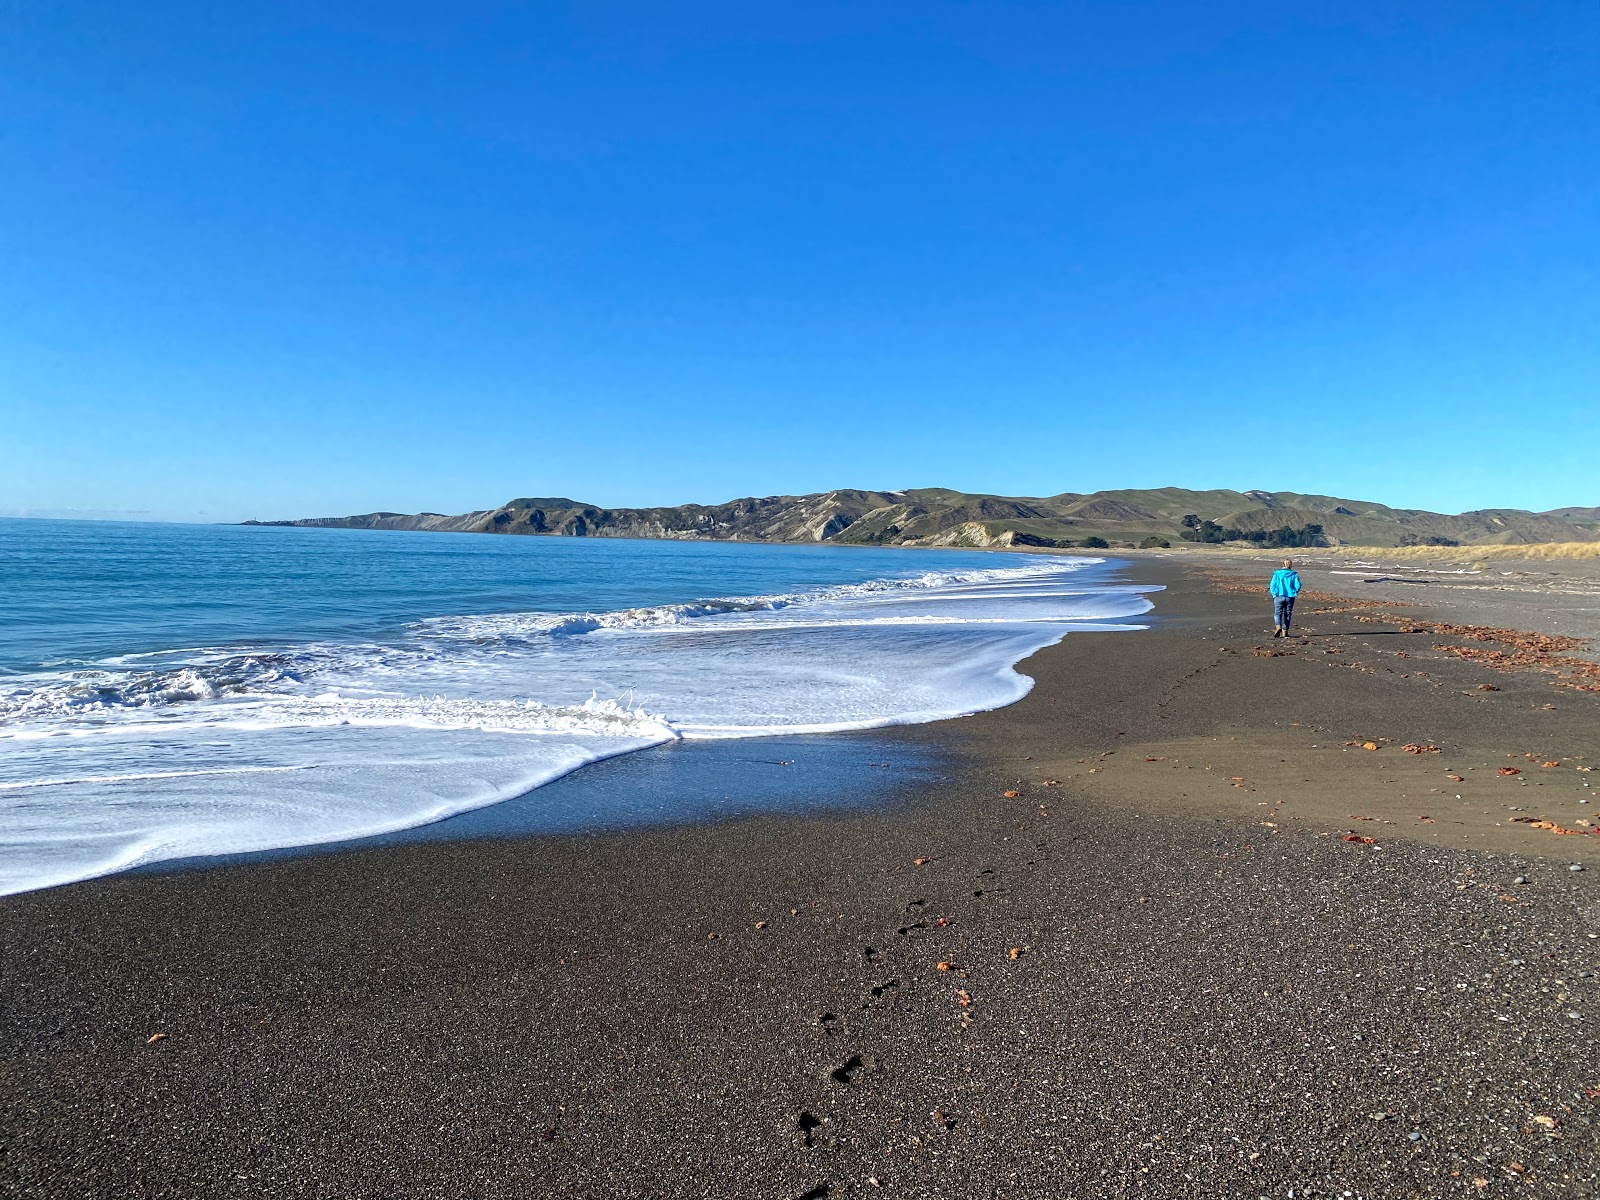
(1535, 551)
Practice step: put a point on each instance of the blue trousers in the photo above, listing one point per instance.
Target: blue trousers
(1282, 610)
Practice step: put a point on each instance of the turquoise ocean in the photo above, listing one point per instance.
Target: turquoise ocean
(174, 691)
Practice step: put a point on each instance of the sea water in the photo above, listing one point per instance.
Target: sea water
(168, 691)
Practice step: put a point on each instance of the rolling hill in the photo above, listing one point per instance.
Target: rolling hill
(940, 517)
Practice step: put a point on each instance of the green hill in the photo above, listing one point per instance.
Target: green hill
(940, 517)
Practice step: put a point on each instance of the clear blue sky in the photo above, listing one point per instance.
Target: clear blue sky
(299, 259)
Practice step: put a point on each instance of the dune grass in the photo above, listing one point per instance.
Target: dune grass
(1466, 553)
(1461, 554)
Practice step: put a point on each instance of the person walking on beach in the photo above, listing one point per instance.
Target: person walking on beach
(1285, 586)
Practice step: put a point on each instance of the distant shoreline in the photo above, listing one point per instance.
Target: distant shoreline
(1498, 552)
(1107, 520)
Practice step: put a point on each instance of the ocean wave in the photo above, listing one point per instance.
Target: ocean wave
(129, 682)
(165, 754)
(139, 777)
(606, 718)
(496, 626)
(491, 627)
(593, 717)
(103, 689)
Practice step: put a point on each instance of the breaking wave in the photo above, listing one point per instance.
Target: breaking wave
(176, 753)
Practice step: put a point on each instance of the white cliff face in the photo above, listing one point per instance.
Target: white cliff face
(971, 535)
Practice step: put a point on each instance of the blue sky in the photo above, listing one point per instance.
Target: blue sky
(271, 261)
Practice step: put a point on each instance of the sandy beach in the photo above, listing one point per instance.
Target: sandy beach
(1205, 914)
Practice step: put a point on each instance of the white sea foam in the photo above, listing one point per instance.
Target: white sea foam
(138, 776)
(153, 756)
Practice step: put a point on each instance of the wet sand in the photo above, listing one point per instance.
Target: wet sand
(1157, 969)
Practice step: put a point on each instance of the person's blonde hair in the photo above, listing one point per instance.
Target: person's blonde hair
(1288, 562)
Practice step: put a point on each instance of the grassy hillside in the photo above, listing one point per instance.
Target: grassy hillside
(939, 516)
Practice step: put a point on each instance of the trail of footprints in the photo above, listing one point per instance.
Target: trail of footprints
(812, 1129)
(1168, 696)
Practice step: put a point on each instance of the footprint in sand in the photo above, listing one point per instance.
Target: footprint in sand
(852, 1069)
(806, 1125)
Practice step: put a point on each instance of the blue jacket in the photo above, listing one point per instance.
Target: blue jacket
(1284, 583)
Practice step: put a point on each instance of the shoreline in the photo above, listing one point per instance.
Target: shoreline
(1346, 787)
(440, 745)
(688, 782)
(1216, 995)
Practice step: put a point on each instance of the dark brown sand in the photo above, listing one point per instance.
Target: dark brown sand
(1159, 978)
